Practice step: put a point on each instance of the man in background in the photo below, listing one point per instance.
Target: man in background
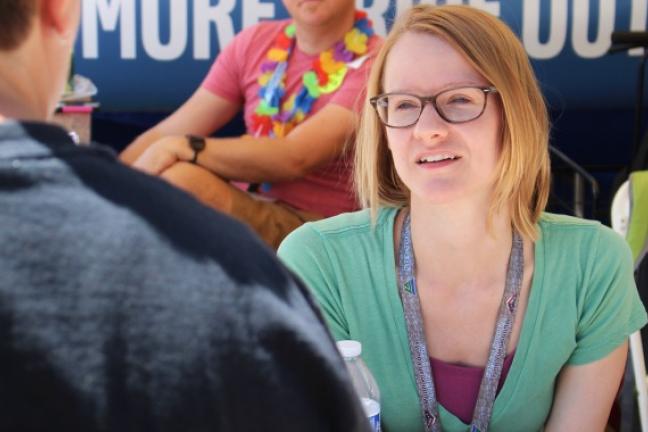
(300, 84)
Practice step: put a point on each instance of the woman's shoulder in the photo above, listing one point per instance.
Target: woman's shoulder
(563, 232)
(352, 224)
(555, 220)
(342, 230)
(571, 226)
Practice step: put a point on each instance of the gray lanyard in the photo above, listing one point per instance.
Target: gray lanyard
(418, 347)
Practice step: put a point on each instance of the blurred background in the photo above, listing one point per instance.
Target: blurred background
(146, 57)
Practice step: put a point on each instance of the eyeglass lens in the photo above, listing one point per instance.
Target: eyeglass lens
(455, 105)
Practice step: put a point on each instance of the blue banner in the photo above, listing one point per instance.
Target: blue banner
(150, 55)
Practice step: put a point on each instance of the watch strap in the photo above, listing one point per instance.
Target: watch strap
(197, 144)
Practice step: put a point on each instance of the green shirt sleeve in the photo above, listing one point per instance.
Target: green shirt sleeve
(610, 309)
(305, 253)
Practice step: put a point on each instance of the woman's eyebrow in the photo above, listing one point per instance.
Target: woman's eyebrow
(447, 86)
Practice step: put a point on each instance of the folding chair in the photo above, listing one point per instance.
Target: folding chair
(630, 220)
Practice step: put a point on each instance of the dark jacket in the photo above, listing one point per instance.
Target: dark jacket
(125, 305)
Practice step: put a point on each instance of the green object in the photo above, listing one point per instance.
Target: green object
(335, 81)
(311, 84)
(409, 287)
(69, 85)
(264, 109)
(583, 303)
(637, 235)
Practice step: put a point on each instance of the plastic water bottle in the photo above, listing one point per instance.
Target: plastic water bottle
(364, 383)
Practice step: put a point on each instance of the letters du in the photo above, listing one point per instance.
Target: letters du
(581, 12)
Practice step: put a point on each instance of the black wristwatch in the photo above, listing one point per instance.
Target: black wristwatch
(197, 144)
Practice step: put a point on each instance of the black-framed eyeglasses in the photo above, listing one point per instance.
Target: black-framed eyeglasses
(457, 105)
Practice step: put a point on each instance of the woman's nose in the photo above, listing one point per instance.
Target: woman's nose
(430, 125)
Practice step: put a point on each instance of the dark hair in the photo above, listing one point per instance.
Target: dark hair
(15, 21)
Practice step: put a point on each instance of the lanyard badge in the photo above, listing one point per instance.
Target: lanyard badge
(416, 336)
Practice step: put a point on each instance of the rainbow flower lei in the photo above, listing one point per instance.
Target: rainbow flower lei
(274, 119)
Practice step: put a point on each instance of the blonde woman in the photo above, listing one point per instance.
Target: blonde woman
(476, 310)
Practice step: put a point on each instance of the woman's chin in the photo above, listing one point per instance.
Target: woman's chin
(445, 195)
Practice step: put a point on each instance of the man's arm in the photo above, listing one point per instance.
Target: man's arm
(585, 393)
(202, 114)
(313, 143)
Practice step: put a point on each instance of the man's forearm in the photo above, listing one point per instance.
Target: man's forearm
(137, 147)
(254, 160)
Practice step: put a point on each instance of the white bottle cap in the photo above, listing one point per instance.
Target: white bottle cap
(349, 348)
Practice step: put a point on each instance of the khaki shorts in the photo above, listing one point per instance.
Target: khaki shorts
(272, 220)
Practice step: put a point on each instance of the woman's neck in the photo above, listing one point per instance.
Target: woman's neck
(315, 39)
(455, 246)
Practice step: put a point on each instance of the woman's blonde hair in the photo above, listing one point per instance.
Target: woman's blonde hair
(496, 53)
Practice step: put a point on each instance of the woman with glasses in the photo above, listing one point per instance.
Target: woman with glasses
(476, 310)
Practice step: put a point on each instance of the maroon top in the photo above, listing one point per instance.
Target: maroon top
(457, 386)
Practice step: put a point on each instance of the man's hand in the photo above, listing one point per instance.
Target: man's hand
(162, 154)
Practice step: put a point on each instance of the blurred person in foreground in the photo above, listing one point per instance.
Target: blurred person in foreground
(476, 309)
(125, 305)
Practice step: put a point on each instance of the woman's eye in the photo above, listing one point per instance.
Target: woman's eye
(405, 105)
(459, 100)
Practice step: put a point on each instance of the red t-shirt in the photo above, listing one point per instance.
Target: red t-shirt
(327, 190)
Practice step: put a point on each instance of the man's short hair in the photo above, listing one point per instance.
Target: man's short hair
(15, 20)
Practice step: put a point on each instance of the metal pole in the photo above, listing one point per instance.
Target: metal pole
(639, 104)
(579, 195)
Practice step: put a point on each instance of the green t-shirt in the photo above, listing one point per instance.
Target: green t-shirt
(583, 303)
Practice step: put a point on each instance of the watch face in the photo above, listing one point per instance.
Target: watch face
(196, 143)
